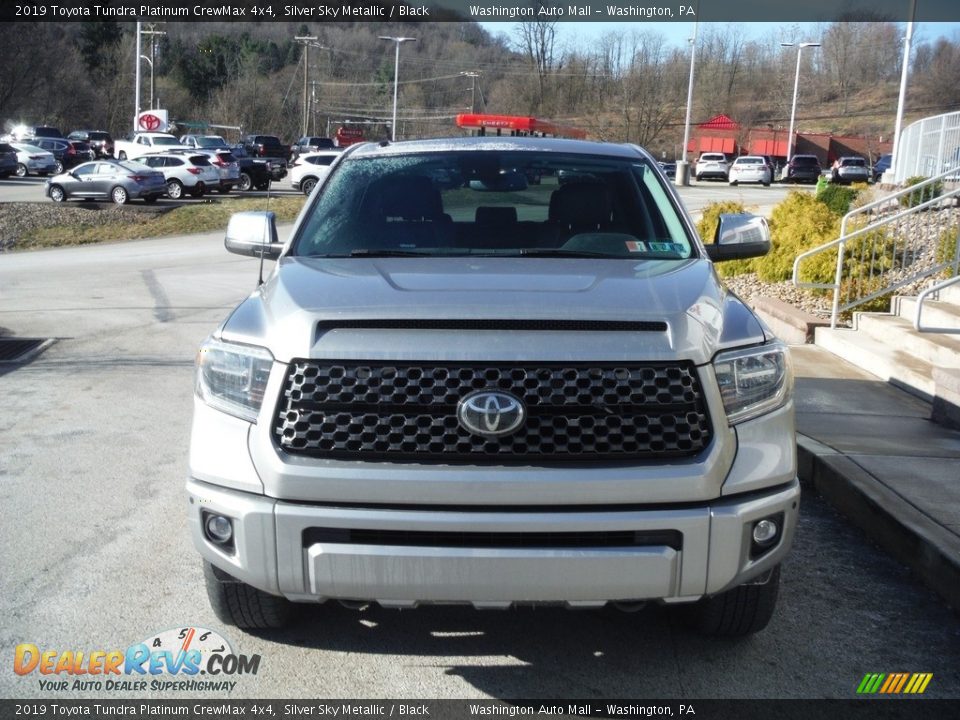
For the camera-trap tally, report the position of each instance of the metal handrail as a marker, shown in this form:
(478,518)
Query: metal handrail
(917,325)
(890,200)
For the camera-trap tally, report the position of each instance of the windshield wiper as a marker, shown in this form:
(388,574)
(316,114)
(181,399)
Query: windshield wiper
(386,252)
(560,252)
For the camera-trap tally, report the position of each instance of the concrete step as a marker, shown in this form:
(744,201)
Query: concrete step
(936,313)
(886,361)
(897,332)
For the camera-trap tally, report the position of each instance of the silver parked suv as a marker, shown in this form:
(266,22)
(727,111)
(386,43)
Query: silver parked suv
(456,386)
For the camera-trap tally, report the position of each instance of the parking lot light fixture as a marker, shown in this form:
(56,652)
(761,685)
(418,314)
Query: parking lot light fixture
(396,77)
(796,87)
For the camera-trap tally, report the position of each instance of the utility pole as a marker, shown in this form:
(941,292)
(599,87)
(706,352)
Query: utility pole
(306,41)
(473,75)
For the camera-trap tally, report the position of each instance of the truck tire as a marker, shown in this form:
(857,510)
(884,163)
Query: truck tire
(246,182)
(121,155)
(243,606)
(741,611)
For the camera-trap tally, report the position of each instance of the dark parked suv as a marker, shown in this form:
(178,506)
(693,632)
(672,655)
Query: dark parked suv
(311,143)
(100,141)
(803,168)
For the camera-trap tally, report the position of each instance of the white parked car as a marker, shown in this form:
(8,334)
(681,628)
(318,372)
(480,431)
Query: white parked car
(712,165)
(750,169)
(32,160)
(185,172)
(309,169)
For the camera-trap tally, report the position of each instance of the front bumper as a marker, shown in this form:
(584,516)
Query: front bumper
(313,552)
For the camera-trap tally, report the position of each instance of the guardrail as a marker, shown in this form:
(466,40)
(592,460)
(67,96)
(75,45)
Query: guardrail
(891,242)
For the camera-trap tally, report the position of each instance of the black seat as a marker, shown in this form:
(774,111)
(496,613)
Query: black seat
(405,211)
(581,207)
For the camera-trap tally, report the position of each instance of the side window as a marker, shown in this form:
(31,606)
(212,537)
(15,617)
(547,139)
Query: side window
(84,170)
(104,169)
(173,162)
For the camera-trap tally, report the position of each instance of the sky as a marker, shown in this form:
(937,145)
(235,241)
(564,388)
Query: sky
(677,33)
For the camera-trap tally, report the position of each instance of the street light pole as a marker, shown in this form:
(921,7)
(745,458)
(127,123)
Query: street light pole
(396,78)
(796,88)
(890,174)
(682,176)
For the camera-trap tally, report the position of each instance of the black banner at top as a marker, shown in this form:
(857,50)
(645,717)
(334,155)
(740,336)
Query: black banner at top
(483,10)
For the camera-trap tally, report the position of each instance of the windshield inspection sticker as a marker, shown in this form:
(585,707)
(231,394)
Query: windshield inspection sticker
(636,246)
(665,247)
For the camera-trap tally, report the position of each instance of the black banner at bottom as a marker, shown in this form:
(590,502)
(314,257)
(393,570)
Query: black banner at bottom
(874,709)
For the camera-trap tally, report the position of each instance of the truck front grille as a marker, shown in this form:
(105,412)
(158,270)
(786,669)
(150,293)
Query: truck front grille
(408,412)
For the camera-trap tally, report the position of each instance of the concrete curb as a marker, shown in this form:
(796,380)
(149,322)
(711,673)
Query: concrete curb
(898,527)
(789,323)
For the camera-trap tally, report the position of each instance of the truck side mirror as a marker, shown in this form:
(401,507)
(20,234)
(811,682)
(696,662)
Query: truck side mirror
(253,233)
(739,236)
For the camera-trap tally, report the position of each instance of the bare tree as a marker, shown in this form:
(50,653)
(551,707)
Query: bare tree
(537,40)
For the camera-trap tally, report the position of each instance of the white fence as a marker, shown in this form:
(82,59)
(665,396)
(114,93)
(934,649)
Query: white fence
(928,147)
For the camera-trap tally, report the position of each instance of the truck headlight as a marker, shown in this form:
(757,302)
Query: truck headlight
(232,378)
(754,381)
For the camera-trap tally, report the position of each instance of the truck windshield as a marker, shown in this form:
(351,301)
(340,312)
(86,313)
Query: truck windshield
(488,202)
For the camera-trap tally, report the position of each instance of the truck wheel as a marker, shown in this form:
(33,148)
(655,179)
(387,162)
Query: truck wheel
(246,182)
(239,604)
(122,155)
(741,611)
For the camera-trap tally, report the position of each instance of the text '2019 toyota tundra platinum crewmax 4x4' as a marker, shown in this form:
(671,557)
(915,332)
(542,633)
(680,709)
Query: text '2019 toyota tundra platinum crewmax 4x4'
(459,387)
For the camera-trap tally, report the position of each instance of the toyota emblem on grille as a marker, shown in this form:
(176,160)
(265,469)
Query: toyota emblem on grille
(490,413)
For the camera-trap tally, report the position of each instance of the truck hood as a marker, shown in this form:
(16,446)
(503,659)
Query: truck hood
(310,307)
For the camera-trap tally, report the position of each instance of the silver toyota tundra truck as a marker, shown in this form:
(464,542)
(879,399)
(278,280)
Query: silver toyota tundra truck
(494,371)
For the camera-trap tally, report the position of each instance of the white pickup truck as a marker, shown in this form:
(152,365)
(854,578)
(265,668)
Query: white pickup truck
(143,143)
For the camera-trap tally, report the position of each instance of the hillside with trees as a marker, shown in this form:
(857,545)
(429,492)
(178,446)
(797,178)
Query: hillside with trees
(628,86)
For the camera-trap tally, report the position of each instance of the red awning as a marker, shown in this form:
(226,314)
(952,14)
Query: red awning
(719,122)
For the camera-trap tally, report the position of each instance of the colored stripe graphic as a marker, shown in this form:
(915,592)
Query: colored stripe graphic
(894,683)
(870,683)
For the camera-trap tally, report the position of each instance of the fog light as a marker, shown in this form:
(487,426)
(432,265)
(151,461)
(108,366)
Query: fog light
(765,532)
(220,529)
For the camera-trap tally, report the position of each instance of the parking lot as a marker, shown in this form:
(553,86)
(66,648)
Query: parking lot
(31,189)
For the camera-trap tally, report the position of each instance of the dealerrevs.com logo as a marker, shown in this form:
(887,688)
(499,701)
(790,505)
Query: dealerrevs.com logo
(187,659)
